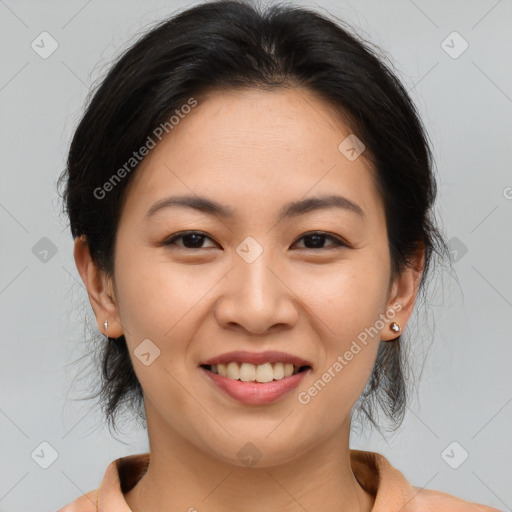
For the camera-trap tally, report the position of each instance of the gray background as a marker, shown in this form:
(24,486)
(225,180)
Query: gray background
(465,383)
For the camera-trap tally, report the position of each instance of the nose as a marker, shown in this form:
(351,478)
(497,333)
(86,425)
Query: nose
(256,297)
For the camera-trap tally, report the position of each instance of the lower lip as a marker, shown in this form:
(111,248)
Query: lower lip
(256,393)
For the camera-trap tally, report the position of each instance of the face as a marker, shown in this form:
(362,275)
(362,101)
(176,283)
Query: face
(198,284)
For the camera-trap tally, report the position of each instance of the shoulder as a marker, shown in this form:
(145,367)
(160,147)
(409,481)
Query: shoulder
(120,476)
(428,500)
(86,503)
(393,492)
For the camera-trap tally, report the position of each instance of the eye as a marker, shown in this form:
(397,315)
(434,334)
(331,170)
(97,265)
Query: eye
(191,239)
(318,237)
(194,240)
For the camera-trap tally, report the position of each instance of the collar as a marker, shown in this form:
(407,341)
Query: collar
(372,470)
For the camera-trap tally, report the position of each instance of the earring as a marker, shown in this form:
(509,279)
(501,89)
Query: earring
(394,327)
(105,324)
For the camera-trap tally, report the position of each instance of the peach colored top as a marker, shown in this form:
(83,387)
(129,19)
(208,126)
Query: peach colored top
(373,471)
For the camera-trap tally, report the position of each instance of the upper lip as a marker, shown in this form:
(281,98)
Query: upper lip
(271,356)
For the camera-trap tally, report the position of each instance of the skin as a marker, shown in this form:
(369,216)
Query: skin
(252,151)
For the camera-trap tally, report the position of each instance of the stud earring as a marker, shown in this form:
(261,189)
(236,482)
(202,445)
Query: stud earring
(394,327)
(105,324)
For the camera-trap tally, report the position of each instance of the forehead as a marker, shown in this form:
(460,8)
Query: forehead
(252,147)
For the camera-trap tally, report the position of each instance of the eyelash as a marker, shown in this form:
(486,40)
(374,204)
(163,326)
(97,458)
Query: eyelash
(337,241)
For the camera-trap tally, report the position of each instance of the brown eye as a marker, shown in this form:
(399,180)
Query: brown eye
(194,240)
(191,240)
(316,240)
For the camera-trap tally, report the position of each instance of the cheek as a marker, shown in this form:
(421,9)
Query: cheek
(351,297)
(349,307)
(156,301)
(157,293)
(349,304)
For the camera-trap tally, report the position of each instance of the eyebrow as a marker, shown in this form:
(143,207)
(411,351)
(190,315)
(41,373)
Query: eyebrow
(293,209)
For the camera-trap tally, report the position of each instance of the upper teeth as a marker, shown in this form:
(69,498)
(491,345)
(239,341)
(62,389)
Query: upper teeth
(248,372)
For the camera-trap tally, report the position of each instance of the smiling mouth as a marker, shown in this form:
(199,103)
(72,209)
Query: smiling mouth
(247,372)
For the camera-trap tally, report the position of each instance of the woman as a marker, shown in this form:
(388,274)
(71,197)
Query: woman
(216,155)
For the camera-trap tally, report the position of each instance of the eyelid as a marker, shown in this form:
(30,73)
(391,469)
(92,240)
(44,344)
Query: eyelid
(171,240)
(338,241)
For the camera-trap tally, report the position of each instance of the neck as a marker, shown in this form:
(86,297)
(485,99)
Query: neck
(182,476)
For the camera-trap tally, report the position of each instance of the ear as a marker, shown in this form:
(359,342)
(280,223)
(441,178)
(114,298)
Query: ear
(99,288)
(402,295)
